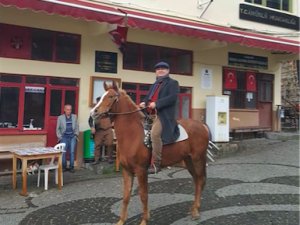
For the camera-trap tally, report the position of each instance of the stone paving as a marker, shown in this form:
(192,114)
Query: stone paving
(257,185)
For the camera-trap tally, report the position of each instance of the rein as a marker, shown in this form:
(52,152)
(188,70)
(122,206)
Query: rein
(125,113)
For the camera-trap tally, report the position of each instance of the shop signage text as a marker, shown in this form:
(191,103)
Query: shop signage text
(252,61)
(266,16)
(106,62)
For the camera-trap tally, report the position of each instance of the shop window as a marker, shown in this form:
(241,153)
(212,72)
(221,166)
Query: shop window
(24,101)
(138,92)
(10,78)
(35,80)
(185,59)
(131,58)
(9,105)
(275,4)
(42,45)
(241,87)
(39,44)
(15,41)
(143,57)
(64,81)
(149,56)
(184,106)
(70,98)
(265,91)
(55,102)
(67,47)
(34,99)
(285,5)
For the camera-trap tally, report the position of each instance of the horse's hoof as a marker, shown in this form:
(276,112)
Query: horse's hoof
(195,215)
(144,222)
(196,218)
(120,222)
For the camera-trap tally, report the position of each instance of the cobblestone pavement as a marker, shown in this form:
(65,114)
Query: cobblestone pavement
(257,185)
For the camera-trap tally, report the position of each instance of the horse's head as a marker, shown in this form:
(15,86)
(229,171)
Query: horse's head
(107,101)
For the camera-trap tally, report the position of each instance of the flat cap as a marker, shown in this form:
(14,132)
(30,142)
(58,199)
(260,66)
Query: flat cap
(162,65)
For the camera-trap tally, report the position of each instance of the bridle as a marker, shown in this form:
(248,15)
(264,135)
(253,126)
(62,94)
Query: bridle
(116,99)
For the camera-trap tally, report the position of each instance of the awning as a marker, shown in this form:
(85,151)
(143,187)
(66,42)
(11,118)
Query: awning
(91,10)
(190,28)
(76,8)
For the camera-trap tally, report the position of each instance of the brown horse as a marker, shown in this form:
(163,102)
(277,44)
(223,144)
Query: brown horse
(135,157)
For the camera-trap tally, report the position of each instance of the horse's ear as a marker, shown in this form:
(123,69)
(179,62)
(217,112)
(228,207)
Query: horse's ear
(115,86)
(105,86)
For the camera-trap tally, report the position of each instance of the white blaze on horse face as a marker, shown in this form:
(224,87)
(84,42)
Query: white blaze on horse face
(93,113)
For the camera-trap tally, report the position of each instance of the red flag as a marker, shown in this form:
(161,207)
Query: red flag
(230,82)
(119,36)
(15,41)
(251,81)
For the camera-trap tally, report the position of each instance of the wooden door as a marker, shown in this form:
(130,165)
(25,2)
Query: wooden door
(265,99)
(58,98)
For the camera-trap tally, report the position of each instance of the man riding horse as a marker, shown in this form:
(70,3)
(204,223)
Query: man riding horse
(161,101)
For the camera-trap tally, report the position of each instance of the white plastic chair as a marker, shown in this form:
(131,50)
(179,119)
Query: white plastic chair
(51,166)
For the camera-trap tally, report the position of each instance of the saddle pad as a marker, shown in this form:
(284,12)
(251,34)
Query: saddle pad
(183,134)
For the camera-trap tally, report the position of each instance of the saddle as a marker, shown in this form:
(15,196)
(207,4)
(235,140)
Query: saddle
(147,130)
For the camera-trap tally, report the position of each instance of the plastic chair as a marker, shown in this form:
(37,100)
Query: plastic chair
(51,166)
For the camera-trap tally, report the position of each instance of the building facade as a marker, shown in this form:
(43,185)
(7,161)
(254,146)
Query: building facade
(58,52)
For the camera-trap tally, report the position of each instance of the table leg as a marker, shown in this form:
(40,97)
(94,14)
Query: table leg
(14,175)
(24,178)
(59,171)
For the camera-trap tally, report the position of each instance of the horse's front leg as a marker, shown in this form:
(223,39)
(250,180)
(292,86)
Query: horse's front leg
(127,187)
(199,179)
(143,191)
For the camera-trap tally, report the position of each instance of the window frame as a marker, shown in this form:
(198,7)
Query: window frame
(93,86)
(264,4)
(233,94)
(181,95)
(54,47)
(19,129)
(139,65)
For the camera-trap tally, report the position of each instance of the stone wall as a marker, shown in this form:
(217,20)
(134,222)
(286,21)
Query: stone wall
(290,88)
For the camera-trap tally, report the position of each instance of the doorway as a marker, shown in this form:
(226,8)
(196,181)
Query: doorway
(265,99)
(59,97)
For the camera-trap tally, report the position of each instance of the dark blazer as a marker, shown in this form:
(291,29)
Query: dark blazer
(166,106)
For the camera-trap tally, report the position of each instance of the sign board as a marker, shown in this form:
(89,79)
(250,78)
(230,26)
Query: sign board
(106,62)
(252,61)
(269,16)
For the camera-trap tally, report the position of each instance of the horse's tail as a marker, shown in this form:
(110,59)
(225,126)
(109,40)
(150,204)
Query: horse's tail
(209,132)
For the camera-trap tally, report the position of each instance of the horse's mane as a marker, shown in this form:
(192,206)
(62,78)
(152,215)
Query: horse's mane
(131,102)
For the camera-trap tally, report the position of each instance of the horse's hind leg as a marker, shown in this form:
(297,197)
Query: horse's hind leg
(198,171)
(127,188)
(143,191)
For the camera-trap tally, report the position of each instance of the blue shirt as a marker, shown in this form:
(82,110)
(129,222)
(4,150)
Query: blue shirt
(69,133)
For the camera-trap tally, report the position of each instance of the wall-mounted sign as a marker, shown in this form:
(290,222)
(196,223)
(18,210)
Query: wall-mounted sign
(206,78)
(251,61)
(106,62)
(30,89)
(268,16)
